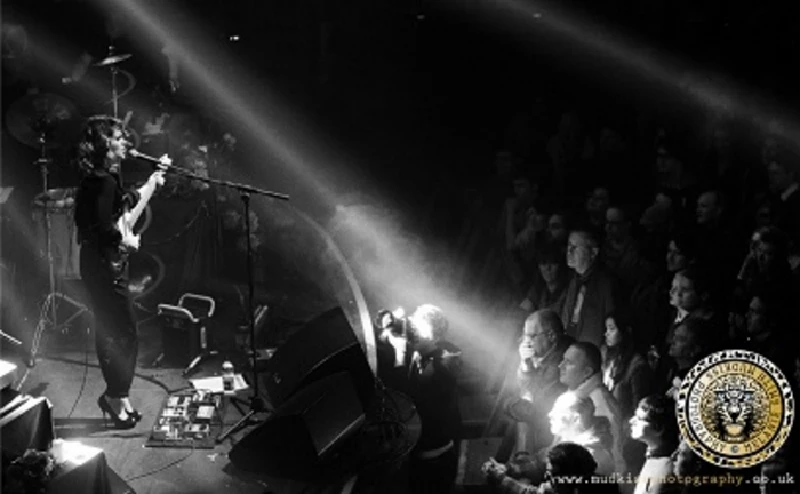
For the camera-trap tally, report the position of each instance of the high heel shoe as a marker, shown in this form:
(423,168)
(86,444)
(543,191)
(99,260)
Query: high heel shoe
(135,415)
(128,423)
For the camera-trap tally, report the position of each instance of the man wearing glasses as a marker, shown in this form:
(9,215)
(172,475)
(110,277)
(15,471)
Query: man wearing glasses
(541,349)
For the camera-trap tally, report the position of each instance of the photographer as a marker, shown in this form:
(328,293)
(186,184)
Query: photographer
(427,365)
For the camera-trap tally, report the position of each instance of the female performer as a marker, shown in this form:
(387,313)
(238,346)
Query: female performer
(100,203)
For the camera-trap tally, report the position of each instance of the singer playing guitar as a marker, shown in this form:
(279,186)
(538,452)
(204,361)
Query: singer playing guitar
(105,215)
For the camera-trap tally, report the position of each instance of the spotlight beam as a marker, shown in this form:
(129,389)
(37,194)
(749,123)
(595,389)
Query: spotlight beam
(644,63)
(302,155)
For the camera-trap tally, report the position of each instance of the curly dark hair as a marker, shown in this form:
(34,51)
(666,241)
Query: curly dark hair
(93,146)
(660,413)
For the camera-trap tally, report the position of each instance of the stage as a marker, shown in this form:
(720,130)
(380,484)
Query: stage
(68,375)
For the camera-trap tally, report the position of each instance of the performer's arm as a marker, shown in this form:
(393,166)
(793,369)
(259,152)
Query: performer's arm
(146,189)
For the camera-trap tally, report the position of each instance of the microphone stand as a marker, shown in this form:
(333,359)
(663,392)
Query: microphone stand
(256,403)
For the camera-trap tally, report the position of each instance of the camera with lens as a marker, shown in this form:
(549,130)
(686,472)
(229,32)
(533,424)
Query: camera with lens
(395,323)
(426,325)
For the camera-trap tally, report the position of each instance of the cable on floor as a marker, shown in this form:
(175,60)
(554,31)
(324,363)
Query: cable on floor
(161,469)
(83,380)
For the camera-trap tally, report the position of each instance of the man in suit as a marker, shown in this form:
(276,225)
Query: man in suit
(591,292)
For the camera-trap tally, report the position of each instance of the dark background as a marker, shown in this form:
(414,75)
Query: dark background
(417,93)
(435,82)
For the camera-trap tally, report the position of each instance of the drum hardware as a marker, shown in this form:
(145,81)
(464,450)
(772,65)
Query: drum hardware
(42,120)
(40,115)
(112,61)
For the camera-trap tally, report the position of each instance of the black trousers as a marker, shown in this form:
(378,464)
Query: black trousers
(116,340)
(433,476)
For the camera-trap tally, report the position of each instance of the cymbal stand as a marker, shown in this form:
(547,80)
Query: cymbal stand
(48,312)
(114,95)
(114,92)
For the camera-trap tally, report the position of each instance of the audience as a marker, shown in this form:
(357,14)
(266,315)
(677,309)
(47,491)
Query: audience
(655,425)
(627,290)
(573,420)
(569,469)
(541,350)
(625,371)
(689,343)
(591,292)
(620,252)
(549,289)
(581,371)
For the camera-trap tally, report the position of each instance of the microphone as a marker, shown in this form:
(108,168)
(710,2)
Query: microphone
(146,157)
(136,154)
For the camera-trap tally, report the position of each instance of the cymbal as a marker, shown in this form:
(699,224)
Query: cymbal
(112,60)
(51,114)
(56,198)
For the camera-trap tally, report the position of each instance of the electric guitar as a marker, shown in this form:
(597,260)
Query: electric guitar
(131,241)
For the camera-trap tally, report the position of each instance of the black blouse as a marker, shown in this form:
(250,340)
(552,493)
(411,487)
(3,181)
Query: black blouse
(99,205)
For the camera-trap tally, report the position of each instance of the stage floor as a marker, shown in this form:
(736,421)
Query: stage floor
(68,375)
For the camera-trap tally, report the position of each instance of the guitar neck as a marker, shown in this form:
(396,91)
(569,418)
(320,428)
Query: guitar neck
(144,198)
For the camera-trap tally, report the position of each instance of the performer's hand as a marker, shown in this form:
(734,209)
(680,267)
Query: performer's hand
(494,471)
(158,179)
(165,163)
(525,351)
(132,242)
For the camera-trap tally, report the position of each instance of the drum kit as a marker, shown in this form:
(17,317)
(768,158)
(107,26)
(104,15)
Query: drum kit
(48,122)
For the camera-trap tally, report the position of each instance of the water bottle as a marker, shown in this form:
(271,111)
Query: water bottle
(227,377)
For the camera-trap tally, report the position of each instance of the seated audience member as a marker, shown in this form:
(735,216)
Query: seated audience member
(768,260)
(549,289)
(569,470)
(650,302)
(515,221)
(690,296)
(590,293)
(581,371)
(765,267)
(785,186)
(656,222)
(620,252)
(628,376)
(567,461)
(717,248)
(689,344)
(765,328)
(654,424)
(672,176)
(558,229)
(528,242)
(572,420)
(541,349)
(596,207)
(625,371)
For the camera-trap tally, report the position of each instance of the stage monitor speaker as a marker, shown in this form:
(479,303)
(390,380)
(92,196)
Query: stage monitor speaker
(304,434)
(323,346)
